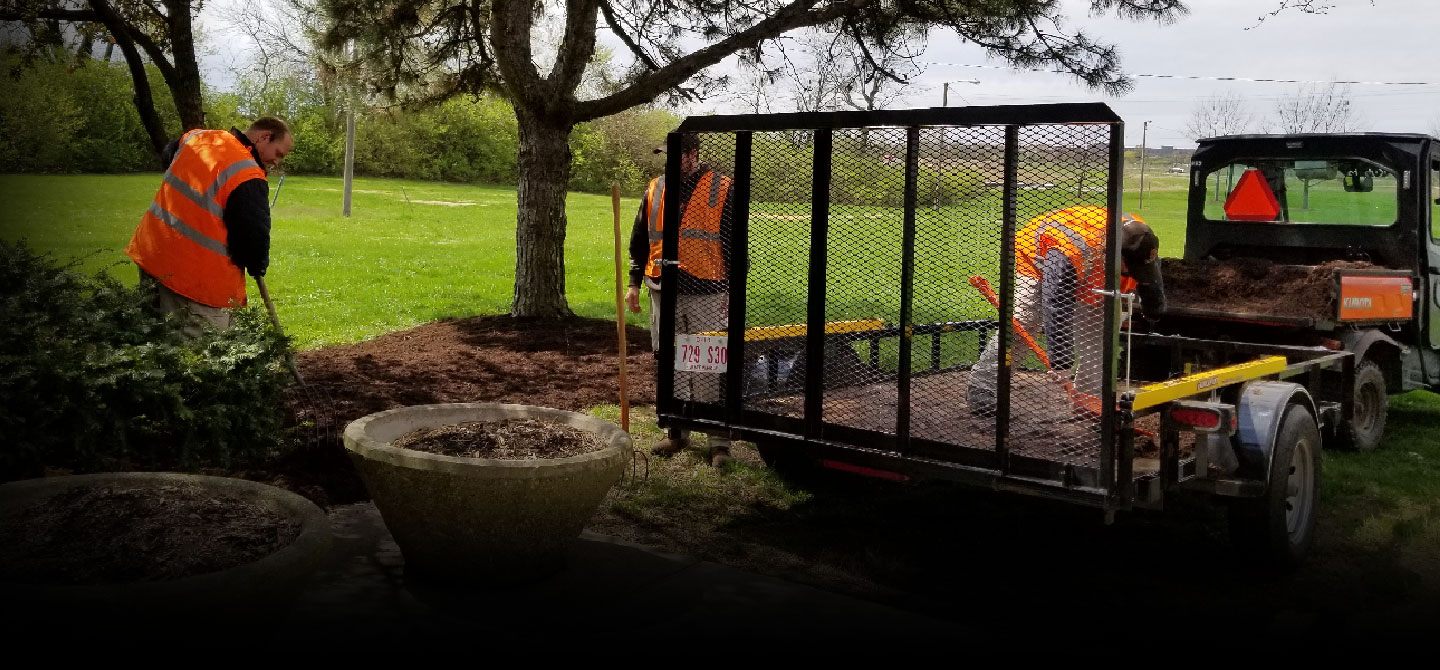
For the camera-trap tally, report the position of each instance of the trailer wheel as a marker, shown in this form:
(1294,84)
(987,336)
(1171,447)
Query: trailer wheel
(793,467)
(1278,528)
(1364,430)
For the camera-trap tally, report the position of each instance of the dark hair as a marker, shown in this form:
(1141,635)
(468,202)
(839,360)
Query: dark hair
(689,142)
(278,129)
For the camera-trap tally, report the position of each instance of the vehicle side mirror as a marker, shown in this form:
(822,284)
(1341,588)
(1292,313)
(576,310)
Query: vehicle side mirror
(1359,183)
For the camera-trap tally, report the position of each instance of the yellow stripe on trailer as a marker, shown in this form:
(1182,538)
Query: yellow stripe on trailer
(1151,395)
(798,330)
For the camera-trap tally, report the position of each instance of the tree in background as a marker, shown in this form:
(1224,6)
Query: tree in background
(1321,108)
(1224,114)
(162,30)
(435,49)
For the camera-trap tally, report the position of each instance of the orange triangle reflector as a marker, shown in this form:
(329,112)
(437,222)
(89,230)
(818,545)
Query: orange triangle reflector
(1252,199)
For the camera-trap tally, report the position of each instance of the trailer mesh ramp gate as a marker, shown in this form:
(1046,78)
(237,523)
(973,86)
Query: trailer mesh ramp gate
(855,251)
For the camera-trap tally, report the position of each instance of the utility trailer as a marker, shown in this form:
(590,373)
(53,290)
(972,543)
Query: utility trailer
(857,240)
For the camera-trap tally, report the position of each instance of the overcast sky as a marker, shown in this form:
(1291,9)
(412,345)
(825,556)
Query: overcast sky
(1387,41)
(1391,41)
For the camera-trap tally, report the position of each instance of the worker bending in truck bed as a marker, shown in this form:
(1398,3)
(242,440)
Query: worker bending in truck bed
(702,304)
(1059,266)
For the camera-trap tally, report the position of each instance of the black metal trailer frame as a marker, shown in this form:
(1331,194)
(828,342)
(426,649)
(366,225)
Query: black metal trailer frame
(1109,482)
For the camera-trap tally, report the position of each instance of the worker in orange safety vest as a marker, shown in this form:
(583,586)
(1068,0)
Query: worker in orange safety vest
(1059,275)
(702,298)
(209,220)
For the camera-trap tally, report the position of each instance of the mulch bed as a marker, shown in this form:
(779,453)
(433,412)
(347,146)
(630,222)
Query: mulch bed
(569,364)
(511,439)
(1254,286)
(123,535)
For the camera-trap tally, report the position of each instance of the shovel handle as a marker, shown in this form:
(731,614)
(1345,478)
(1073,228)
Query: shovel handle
(275,319)
(984,287)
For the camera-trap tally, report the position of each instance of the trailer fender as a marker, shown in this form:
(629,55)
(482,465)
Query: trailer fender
(1259,410)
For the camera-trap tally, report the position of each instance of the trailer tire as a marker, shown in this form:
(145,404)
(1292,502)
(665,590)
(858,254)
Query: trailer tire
(1365,429)
(1278,528)
(793,467)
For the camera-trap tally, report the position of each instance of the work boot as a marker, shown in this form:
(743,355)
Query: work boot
(669,446)
(719,456)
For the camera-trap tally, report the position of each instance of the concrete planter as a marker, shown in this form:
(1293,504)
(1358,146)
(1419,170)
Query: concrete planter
(476,520)
(252,597)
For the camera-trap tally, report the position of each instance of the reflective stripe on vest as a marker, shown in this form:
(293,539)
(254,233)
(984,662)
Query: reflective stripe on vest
(701,251)
(1079,233)
(182,239)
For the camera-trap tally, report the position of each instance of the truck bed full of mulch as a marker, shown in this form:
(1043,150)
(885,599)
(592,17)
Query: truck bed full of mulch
(1254,286)
(511,439)
(123,535)
(570,364)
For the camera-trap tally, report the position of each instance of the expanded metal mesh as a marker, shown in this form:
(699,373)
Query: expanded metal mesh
(707,260)
(956,378)
(1061,226)
(779,254)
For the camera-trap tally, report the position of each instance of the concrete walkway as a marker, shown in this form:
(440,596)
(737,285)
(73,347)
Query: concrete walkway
(611,588)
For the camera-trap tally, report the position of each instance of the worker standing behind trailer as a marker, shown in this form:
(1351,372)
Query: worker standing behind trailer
(702,294)
(209,220)
(1059,267)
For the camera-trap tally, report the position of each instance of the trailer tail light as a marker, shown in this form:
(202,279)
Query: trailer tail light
(1201,417)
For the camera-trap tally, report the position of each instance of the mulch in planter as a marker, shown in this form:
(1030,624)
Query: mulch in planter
(123,534)
(517,439)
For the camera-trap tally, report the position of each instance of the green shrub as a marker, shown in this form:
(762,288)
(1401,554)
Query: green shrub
(92,375)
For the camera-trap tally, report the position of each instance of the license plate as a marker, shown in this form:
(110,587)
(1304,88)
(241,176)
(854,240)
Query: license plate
(701,353)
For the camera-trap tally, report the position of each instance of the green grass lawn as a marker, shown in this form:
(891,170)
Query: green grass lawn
(447,251)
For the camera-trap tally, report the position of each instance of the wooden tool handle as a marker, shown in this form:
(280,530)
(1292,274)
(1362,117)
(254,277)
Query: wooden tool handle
(620,312)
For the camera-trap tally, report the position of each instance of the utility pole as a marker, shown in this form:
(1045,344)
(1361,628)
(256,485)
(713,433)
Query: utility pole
(1144,130)
(945,92)
(349,153)
(349,138)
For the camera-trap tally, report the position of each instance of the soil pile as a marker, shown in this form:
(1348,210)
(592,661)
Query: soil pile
(116,535)
(512,439)
(1254,286)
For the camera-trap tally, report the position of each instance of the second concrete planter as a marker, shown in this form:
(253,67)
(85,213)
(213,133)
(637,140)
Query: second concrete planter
(247,600)
(482,521)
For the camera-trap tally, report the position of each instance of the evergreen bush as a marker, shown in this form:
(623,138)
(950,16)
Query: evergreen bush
(92,375)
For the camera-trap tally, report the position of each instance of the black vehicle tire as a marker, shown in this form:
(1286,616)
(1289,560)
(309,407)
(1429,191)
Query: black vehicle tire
(792,466)
(1364,431)
(1278,528)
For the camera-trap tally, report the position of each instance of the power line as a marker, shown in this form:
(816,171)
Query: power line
(1200,77)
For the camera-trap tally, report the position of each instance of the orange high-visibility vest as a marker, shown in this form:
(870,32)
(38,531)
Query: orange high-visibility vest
(181,240)
(700,241)
(1079,232)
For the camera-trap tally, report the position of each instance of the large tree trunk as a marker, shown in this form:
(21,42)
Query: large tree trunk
(540,230)
(185,85)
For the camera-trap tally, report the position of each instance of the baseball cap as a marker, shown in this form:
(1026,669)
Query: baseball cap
(688,142)
(1140,249)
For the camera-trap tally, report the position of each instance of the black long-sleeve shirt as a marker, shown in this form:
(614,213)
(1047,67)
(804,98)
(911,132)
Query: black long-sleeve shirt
(247,213)
(640,240)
